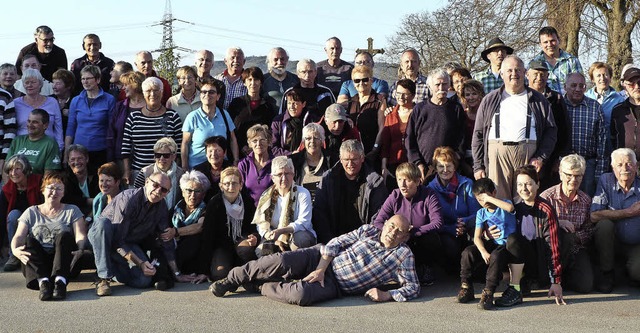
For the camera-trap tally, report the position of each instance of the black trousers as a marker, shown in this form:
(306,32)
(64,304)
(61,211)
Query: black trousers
(471,261)
(282,274)
(43,264)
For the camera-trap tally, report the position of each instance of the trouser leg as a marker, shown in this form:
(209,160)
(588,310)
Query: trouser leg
(64,244)
(579,275)
(277,267)
(604,243)
(131,276)
(451,249)
(221,263)
(633,262)
(425,248)
(39,264)
(101,235)
(497,264)
(301,292)
(12,225)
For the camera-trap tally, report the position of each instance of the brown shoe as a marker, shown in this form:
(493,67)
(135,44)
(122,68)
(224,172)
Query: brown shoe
(466,293)
(103,287)
(486,300)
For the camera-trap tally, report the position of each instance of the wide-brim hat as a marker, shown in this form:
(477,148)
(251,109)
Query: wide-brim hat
(494,44)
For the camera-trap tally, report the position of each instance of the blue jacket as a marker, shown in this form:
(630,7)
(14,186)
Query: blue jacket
(88,124)
(464,205)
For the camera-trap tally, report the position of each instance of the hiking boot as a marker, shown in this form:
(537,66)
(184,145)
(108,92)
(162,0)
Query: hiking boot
(103,287)
(59,290)
(252,287)
(163,285)
(221,287)
(605,285)
(486,300)
(46,290)
(466,293)
(510,297)
(12,264)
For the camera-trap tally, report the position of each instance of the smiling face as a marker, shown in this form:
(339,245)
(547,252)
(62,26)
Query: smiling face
(209,95)
(259,144)
(537,79)
(230,186)
(575,86)
(278,61)
(92,47)
(215,156)
(473,98)
(445,171)
(624,169)
(295,108)
(16,174)
(410,64)
(44,42)
(312,143)
(35,126)
(235,62)
(404,97)
(527,188)
(153,96)
(253,85)
(156,187)
(204,63)
(108,185)
(8,77)
(352,163)
(396,230)
(570,178)
(78,162)
(513,75)
(601,78)
(550,45)
(187,82)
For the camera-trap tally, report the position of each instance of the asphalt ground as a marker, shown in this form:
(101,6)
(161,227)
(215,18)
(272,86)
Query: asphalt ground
(192,308)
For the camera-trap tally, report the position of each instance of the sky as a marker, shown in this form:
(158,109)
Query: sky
(256,26)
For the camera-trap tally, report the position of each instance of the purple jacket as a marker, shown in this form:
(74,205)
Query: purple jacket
(423,211)
(116,130)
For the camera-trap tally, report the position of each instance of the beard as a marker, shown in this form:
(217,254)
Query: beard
(278,70)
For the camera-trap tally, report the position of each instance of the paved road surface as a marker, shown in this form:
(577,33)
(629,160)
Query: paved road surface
(191,308)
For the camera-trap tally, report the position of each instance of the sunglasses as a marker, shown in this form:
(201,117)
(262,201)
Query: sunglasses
(363,80)
(157,185)
(165,155)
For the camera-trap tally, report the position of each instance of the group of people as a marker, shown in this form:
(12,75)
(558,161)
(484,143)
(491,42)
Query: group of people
(329,181)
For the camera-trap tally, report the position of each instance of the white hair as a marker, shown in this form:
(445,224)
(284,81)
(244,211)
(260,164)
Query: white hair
(281,162)
(620,152)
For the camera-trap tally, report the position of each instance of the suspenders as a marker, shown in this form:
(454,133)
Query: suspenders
(527,134)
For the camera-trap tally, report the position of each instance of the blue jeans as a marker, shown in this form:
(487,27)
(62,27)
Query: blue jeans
(12,225)
(109,263)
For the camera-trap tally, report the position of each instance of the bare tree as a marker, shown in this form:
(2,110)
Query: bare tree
(621,17)
(459,31)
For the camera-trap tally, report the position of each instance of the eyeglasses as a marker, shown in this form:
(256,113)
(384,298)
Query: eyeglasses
(577,85)
(157,185)
(54,188)
(206,92)
(568,175)
(192,191)
(47,40)
(165,155)
(363,80)
(281,175)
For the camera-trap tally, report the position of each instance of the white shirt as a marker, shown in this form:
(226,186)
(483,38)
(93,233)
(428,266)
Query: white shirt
(513,119)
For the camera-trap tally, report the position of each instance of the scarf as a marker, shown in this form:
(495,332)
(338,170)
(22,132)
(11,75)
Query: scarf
(179,219)
(451,188)
(235,216)
(170,198)
(266,206)
(294,135)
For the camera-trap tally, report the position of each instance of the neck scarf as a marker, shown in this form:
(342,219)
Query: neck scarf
(266,206)
(235,216)
(451,188)
(179,220)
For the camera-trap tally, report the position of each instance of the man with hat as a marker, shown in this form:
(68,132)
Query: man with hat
(494,54)
(625,117)
(337,129)
(537,75)
(623,92)
(559,62)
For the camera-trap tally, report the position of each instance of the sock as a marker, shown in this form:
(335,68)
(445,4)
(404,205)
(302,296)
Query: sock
(60,278)
(40,280)
(516,287)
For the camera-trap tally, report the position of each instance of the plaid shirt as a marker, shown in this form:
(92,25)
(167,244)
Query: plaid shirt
(361,262)
(422,91)
(234,89)
(489,81)
(565,64)
(588,132)
(576,210)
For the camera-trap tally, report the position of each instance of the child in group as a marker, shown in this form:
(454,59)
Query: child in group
(490,253)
